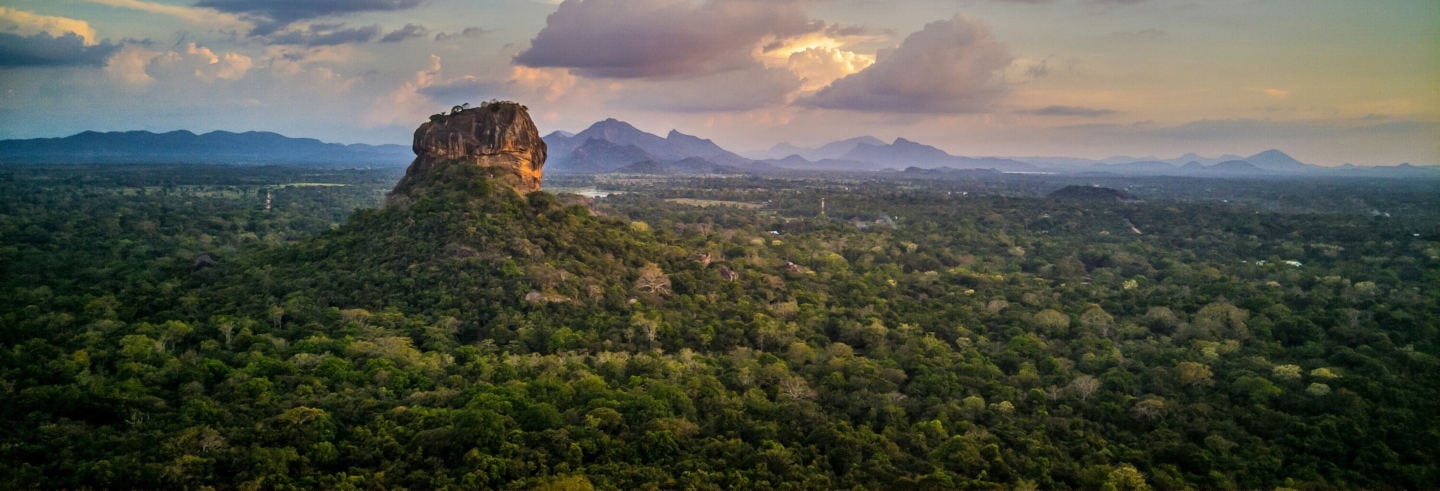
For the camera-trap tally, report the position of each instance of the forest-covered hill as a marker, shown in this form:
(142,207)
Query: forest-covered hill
(718,333)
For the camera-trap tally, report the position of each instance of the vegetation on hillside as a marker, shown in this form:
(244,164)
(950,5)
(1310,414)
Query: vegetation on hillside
(966,333)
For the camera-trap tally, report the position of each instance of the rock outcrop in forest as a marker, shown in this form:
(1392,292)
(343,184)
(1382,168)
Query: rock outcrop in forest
(498,135)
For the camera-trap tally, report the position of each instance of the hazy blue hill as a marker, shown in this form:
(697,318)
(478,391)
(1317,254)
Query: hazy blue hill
(218,147)
(832,150)
(782,150)
(792,160)
(796,162)
(687,166)
(837,149)
(1194,157)
(1000,164)
(901,152)
(1141,167)
(693,146)
(906,153)
(1235,167)
(597,155)
(610,144)
(620,132)
(624,144)
(561,144)
(1277,161)
(1401,170)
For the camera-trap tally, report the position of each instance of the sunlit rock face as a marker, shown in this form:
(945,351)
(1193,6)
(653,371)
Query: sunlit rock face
(498,135)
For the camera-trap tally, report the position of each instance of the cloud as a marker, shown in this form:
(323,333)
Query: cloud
(22,23)
(1023,70)
(524,83)
(819,67)
(469,32)
(129,66)
(662,38)
(548,84)
(1077,111)
(407,32)
(1277,93)
(46,50)
(949,66)
(1255,129)
(736,90)
(462,90)
(406,105)
(207,65)
(193,15)
(325,35)
(30,39)
(137,66)
(272,15)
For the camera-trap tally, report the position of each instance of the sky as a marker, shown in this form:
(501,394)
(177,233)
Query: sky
(1328,81)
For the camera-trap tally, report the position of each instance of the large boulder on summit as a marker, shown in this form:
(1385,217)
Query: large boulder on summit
(497,135)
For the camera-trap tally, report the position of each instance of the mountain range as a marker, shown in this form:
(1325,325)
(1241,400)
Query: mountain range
(610,145)
(614,146)
(216,147)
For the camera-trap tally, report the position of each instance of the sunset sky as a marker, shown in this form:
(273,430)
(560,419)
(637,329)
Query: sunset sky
(1328,81)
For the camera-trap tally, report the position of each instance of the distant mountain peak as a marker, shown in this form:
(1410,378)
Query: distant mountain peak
(184,146)
(628,144)
(675,135)
(612,123)
(1236,167)
(1275,160)
(1273,153)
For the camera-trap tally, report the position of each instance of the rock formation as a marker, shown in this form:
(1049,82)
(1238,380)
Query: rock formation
(498,135)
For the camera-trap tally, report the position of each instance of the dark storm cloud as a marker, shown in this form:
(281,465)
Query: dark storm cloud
(46,50)
(407,32)
(662,38)
(950,66)
(1084,112)
(324,35)
(272,15)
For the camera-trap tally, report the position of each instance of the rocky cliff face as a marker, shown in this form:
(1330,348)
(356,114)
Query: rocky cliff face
(497,135)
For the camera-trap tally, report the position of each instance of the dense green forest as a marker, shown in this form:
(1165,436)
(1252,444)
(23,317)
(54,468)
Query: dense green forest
(161,328)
